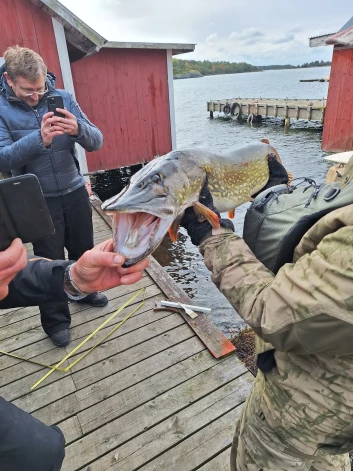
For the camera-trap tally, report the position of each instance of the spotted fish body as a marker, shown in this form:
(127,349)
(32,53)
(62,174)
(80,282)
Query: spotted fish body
(159,193)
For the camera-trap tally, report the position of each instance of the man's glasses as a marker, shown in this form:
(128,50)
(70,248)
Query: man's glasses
(27,93)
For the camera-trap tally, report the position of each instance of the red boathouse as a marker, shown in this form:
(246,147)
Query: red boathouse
(338,126)
(126,89)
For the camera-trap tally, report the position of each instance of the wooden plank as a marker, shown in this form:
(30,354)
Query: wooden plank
(115,356)
(219,463)
(126,64)
(49,394)
(125,359)
(3,38)
(115,108)
(208,405)
(173,349)
(82,89)
(120,114)
(10,24)
(149,93)
(214,339)
(163,104)
(144,99)
(17,380)
(57,411)
(200,447)
(23,371)
(80,311)
(71,429)
(43,345)
(216,342)
(273,107)
(114,406)
(26,24)
(47,43)
(127,399)
(175,388)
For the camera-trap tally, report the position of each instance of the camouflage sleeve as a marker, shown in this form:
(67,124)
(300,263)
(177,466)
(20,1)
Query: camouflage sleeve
(306,308)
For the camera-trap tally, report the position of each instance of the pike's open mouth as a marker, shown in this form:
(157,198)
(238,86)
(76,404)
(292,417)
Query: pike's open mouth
(137,235)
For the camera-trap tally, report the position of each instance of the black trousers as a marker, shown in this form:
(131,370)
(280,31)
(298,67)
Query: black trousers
(26,444)
(72,218)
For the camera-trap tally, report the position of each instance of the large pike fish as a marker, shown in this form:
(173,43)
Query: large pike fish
(157,195)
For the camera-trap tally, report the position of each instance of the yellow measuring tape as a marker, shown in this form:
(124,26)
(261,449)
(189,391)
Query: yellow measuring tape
(71,365)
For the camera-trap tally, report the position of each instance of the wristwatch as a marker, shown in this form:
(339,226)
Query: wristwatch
(70,288)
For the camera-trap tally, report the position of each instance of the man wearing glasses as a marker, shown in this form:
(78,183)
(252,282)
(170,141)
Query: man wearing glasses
(33,140)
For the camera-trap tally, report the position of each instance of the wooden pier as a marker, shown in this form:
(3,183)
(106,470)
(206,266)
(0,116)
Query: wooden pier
(252,108)
(150,397)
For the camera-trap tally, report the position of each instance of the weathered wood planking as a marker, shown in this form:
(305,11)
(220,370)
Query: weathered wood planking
(213,338)
(275,108)
(337,134)
(149,394)
(145,447)
(176,388)
(219,463)
(131,105)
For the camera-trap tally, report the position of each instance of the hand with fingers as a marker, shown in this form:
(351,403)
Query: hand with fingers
(68,123)
(12,261)
(50,128)
(56,126)
(100,269)
(197,230)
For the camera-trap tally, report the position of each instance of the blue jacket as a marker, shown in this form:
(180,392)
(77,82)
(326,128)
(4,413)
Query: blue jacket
(21,146)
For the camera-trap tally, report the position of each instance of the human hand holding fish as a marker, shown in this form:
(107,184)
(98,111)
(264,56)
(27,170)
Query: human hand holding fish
(158,195)
(100,269)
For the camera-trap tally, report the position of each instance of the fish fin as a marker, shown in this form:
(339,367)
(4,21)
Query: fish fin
(173,229)
(231,213)
(203,213)
(265,141)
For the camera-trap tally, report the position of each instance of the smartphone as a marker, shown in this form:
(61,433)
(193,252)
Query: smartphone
(23,211)
(53,102)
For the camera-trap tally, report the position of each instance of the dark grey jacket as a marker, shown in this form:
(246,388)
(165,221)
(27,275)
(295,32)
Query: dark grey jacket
(40,282)
(21,146)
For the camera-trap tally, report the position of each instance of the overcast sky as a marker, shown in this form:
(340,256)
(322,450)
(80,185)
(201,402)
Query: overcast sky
(260,32)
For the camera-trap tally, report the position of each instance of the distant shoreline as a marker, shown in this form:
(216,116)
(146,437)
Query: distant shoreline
(183,69)
(199,75)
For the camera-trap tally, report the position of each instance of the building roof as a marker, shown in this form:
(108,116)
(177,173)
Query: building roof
(347,25)
(77,32)
(343,38)
(82,37)
(175,47)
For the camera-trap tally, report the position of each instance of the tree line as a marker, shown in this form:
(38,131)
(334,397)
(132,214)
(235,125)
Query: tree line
(181,67)
(289,66)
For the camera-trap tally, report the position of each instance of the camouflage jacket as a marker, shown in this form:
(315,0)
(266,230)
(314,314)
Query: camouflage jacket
(306,313)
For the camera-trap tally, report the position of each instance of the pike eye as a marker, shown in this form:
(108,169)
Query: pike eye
(156,178)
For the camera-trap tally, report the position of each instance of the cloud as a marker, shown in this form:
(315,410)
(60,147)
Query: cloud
(246,34)
(277,31)
(212,38)
(262,50)
(288,37)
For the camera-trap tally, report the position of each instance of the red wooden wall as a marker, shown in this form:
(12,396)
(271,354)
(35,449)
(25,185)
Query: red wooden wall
(338,126)
(125,93)
(24,24)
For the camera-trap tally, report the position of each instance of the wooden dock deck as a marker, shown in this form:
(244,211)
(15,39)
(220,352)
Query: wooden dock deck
(150,397)
(310,110)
